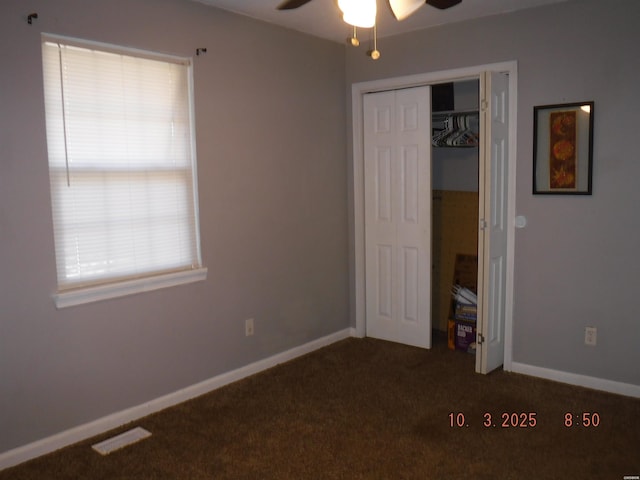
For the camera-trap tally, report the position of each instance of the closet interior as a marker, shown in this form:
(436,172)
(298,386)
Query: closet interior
(455,161)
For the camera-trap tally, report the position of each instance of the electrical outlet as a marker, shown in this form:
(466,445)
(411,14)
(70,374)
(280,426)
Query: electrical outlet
(248,327)
(590,336)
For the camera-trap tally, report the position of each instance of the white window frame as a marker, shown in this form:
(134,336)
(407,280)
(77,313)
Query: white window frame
(71,293)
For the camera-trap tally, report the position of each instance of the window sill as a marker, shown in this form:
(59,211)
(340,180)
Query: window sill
(129,287)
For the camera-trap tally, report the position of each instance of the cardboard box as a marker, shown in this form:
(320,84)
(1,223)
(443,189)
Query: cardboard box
(451,334)
(465,271)
(465,336)
(465,274)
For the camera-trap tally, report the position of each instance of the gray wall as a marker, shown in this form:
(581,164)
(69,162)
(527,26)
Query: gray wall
(576,263)
(270,115)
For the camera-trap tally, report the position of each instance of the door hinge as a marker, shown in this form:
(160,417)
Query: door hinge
(480,339)
(484,105)
(483,224)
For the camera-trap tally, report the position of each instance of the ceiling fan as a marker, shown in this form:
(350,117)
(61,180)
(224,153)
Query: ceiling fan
(401,9)
(362,13)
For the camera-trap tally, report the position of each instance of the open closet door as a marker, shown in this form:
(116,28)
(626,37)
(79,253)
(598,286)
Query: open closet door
(397,172)
(492,238)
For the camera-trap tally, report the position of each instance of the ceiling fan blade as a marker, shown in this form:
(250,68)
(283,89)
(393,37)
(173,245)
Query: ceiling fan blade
(291,4)
(401,9)
(443,4)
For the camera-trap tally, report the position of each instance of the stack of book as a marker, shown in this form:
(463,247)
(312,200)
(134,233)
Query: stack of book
(466,304)
(466,312)
(463,313)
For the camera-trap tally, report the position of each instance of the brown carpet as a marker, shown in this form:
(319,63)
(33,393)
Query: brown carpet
(368,409)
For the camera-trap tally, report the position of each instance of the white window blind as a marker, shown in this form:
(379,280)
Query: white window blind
(121,162)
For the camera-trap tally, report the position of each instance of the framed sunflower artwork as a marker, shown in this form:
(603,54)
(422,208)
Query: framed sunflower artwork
(562,148)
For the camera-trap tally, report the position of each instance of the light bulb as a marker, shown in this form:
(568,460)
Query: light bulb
(359,13)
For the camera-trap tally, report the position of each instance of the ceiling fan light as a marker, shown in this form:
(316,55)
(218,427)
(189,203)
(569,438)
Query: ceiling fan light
(359,13)
(401,9)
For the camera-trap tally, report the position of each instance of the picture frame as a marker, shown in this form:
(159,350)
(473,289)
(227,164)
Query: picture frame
(563,149)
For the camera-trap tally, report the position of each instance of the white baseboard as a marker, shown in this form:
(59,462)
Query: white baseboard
(610,386)
(101,425)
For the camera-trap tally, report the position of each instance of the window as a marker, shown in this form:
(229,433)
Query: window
(120,140)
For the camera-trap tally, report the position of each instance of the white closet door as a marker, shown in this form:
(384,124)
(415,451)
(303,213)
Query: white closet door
(397,151)
(492,240)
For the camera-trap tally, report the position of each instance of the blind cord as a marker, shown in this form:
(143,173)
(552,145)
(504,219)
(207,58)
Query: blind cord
(64,117)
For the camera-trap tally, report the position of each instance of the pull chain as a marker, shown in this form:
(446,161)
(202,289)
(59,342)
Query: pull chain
(374,53)
(353,39)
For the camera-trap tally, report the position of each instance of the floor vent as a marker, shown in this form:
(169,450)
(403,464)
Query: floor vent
(119,441)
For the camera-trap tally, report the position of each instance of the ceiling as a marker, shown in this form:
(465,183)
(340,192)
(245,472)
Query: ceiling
(321,18)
